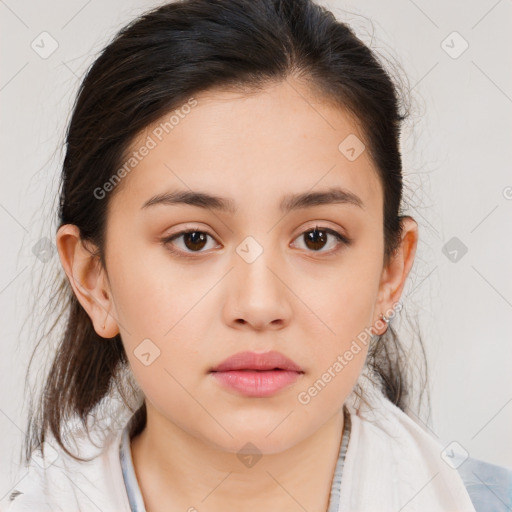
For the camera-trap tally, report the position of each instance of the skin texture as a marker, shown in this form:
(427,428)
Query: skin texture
(198,310)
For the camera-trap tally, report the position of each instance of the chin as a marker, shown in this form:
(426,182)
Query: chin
(257,441)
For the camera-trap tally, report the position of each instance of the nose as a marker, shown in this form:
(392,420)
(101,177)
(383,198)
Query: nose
(258,296)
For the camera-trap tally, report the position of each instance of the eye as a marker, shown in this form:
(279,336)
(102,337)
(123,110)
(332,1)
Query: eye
(315,239)
(193,240)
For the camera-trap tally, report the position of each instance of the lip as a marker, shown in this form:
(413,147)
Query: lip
(257,361)
(257,374)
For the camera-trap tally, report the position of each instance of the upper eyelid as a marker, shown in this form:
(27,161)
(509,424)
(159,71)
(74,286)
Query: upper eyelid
(318,223)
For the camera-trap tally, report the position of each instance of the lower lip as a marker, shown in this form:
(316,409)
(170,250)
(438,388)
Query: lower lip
(257,383)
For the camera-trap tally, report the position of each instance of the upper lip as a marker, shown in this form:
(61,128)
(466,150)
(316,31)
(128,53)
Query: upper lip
(257,361)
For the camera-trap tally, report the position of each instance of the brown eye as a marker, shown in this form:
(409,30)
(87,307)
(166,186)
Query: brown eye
(193,240)
(317,238)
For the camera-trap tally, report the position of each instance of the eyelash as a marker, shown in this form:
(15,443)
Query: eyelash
(343,240)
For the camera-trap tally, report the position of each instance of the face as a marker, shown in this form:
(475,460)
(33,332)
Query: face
(254,276)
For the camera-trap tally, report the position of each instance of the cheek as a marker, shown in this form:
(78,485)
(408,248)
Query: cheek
(166,368)
(340,332)
(342,301)
(153,293)
(338,352)
(158,318)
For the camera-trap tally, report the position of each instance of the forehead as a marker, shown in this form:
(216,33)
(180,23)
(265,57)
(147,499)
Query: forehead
(252,146)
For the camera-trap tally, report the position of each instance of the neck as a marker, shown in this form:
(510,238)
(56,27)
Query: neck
(177,471)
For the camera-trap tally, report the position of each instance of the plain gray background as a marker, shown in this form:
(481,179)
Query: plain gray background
(457,152)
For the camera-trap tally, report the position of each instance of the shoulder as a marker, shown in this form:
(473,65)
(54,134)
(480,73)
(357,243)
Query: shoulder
(489,486)
(58,482)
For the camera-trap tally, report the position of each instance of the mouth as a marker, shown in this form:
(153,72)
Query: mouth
(257,375)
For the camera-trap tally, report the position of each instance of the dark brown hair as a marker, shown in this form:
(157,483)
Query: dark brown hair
(154,65)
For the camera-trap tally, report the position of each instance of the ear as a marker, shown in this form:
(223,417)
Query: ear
(395,273)
(87,278)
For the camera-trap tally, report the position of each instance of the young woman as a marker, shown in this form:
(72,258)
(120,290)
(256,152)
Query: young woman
(235,249)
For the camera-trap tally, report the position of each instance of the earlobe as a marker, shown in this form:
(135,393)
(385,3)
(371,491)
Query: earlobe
(87,279)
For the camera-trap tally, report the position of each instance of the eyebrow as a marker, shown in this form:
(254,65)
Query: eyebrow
(290,202)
